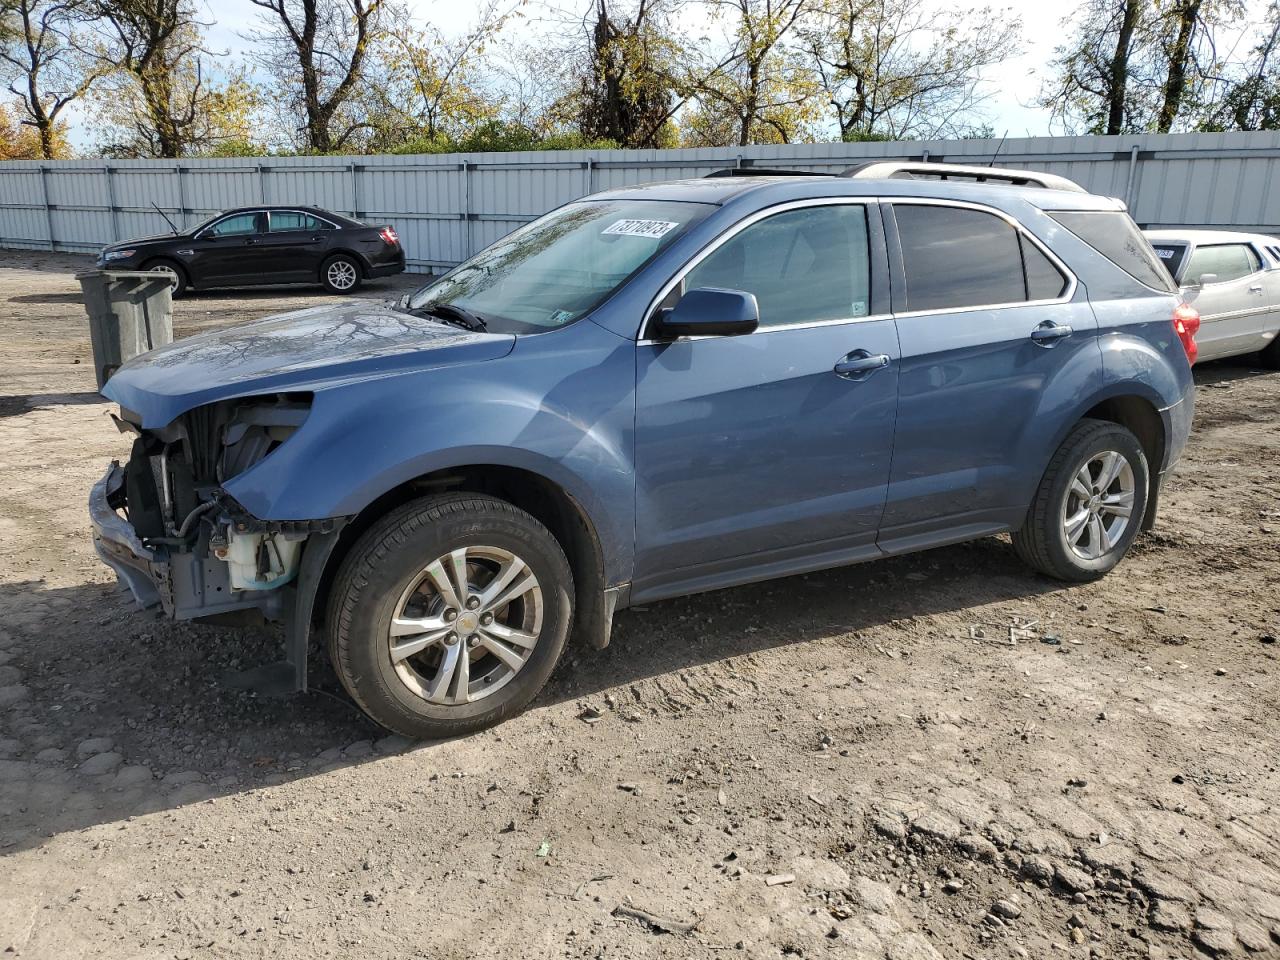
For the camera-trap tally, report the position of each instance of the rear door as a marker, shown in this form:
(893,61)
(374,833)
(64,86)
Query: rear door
(294,244)
(226,251)
(1226,283)
(992,330)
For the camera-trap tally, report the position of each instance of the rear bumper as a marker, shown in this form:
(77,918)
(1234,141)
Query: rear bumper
(387,267)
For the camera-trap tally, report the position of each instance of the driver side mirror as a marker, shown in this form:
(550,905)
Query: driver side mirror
(710,312)
(1206,279)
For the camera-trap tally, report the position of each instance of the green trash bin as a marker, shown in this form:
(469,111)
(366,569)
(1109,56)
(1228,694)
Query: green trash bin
(130,312)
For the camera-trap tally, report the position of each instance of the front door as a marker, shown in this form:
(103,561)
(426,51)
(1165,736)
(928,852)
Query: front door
(757,454)
(226,251)
(993,357)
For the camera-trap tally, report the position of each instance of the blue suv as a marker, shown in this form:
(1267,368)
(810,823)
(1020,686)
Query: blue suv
(651,392)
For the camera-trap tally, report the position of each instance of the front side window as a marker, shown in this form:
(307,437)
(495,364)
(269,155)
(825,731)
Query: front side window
(1226,261)
(241,223)
(954,258)
(556,269)
(803,266)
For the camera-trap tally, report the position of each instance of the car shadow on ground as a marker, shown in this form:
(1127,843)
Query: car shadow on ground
(1230,369)
(82,664)
(12,406)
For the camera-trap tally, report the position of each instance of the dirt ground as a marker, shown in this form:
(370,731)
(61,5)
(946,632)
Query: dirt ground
(858,763)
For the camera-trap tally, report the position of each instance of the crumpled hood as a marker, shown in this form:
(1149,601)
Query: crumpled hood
(304,350)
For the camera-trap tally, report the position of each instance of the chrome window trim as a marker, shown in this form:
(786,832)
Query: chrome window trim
(728,235)
(1065,297)
(305,213)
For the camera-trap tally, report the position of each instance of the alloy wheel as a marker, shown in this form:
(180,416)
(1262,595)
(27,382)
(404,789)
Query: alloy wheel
(1098,505)
(171,273)
(341,275)
(466,625)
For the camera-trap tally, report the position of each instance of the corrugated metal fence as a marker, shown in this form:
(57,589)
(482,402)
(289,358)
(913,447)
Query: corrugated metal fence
(447,206)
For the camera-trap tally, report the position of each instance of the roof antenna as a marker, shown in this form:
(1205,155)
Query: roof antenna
(999,146)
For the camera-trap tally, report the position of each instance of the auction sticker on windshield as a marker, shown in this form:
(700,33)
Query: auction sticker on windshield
(640,228)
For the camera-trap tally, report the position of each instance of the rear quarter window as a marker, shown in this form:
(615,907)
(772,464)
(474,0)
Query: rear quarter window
(1114,235)
(1171,255)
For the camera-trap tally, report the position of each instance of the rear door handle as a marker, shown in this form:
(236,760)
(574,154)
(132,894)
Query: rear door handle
(860,364)
(1049,333)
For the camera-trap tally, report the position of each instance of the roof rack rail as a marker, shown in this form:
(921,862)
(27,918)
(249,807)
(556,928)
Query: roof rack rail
(916,169)
(765,172)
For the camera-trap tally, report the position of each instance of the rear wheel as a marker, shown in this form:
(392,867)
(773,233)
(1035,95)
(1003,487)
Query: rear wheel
(340,274)
(1089,505)
(177,276)
(449,615)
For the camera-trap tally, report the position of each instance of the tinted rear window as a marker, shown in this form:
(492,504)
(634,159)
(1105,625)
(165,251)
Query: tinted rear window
(1114,235)
(955,258)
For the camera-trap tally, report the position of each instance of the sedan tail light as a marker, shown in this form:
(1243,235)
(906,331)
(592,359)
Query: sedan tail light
(1186,322)
(389,236)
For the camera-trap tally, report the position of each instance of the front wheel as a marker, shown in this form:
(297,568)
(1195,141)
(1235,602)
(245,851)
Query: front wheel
(177,277)
(340,274)
(449,615)
(1089,505)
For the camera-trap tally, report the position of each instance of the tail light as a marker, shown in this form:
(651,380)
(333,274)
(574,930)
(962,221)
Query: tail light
(1186,321)
(389,236)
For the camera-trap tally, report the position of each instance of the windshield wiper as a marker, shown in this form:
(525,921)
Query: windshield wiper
(455,315)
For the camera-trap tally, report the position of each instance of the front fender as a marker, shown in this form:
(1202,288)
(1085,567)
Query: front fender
(561,405)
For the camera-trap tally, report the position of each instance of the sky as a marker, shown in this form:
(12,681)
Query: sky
(1010,86)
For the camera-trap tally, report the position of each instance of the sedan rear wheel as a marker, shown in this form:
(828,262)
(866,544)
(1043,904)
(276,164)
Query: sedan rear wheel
(340,274)
(449,615)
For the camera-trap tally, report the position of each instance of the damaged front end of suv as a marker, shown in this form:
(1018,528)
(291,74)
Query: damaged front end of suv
(173,534)
(165,524)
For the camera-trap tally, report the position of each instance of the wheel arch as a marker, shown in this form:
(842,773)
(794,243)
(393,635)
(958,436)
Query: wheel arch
(170,261)
(355,255)
(544,499)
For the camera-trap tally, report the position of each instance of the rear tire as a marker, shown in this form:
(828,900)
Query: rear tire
(341,274)
(447,591)
(1077,528)
(177,275)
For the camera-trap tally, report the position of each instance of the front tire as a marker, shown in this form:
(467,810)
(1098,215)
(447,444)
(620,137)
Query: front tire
(177,276)
(341,274)
(449,615)
(1089,505)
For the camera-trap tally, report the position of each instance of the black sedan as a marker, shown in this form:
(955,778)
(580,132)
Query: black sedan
(259,245)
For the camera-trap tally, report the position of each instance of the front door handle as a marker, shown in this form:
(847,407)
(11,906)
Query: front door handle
(1256,288)
(1049,333)
(860,364)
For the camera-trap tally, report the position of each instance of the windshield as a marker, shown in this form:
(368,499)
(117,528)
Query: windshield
(554,270)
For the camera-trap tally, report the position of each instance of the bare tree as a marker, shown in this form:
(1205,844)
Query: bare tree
(1251,97)
(42,63)
(893,69)
(316,49)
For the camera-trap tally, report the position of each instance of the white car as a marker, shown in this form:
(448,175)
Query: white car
(1233,280)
